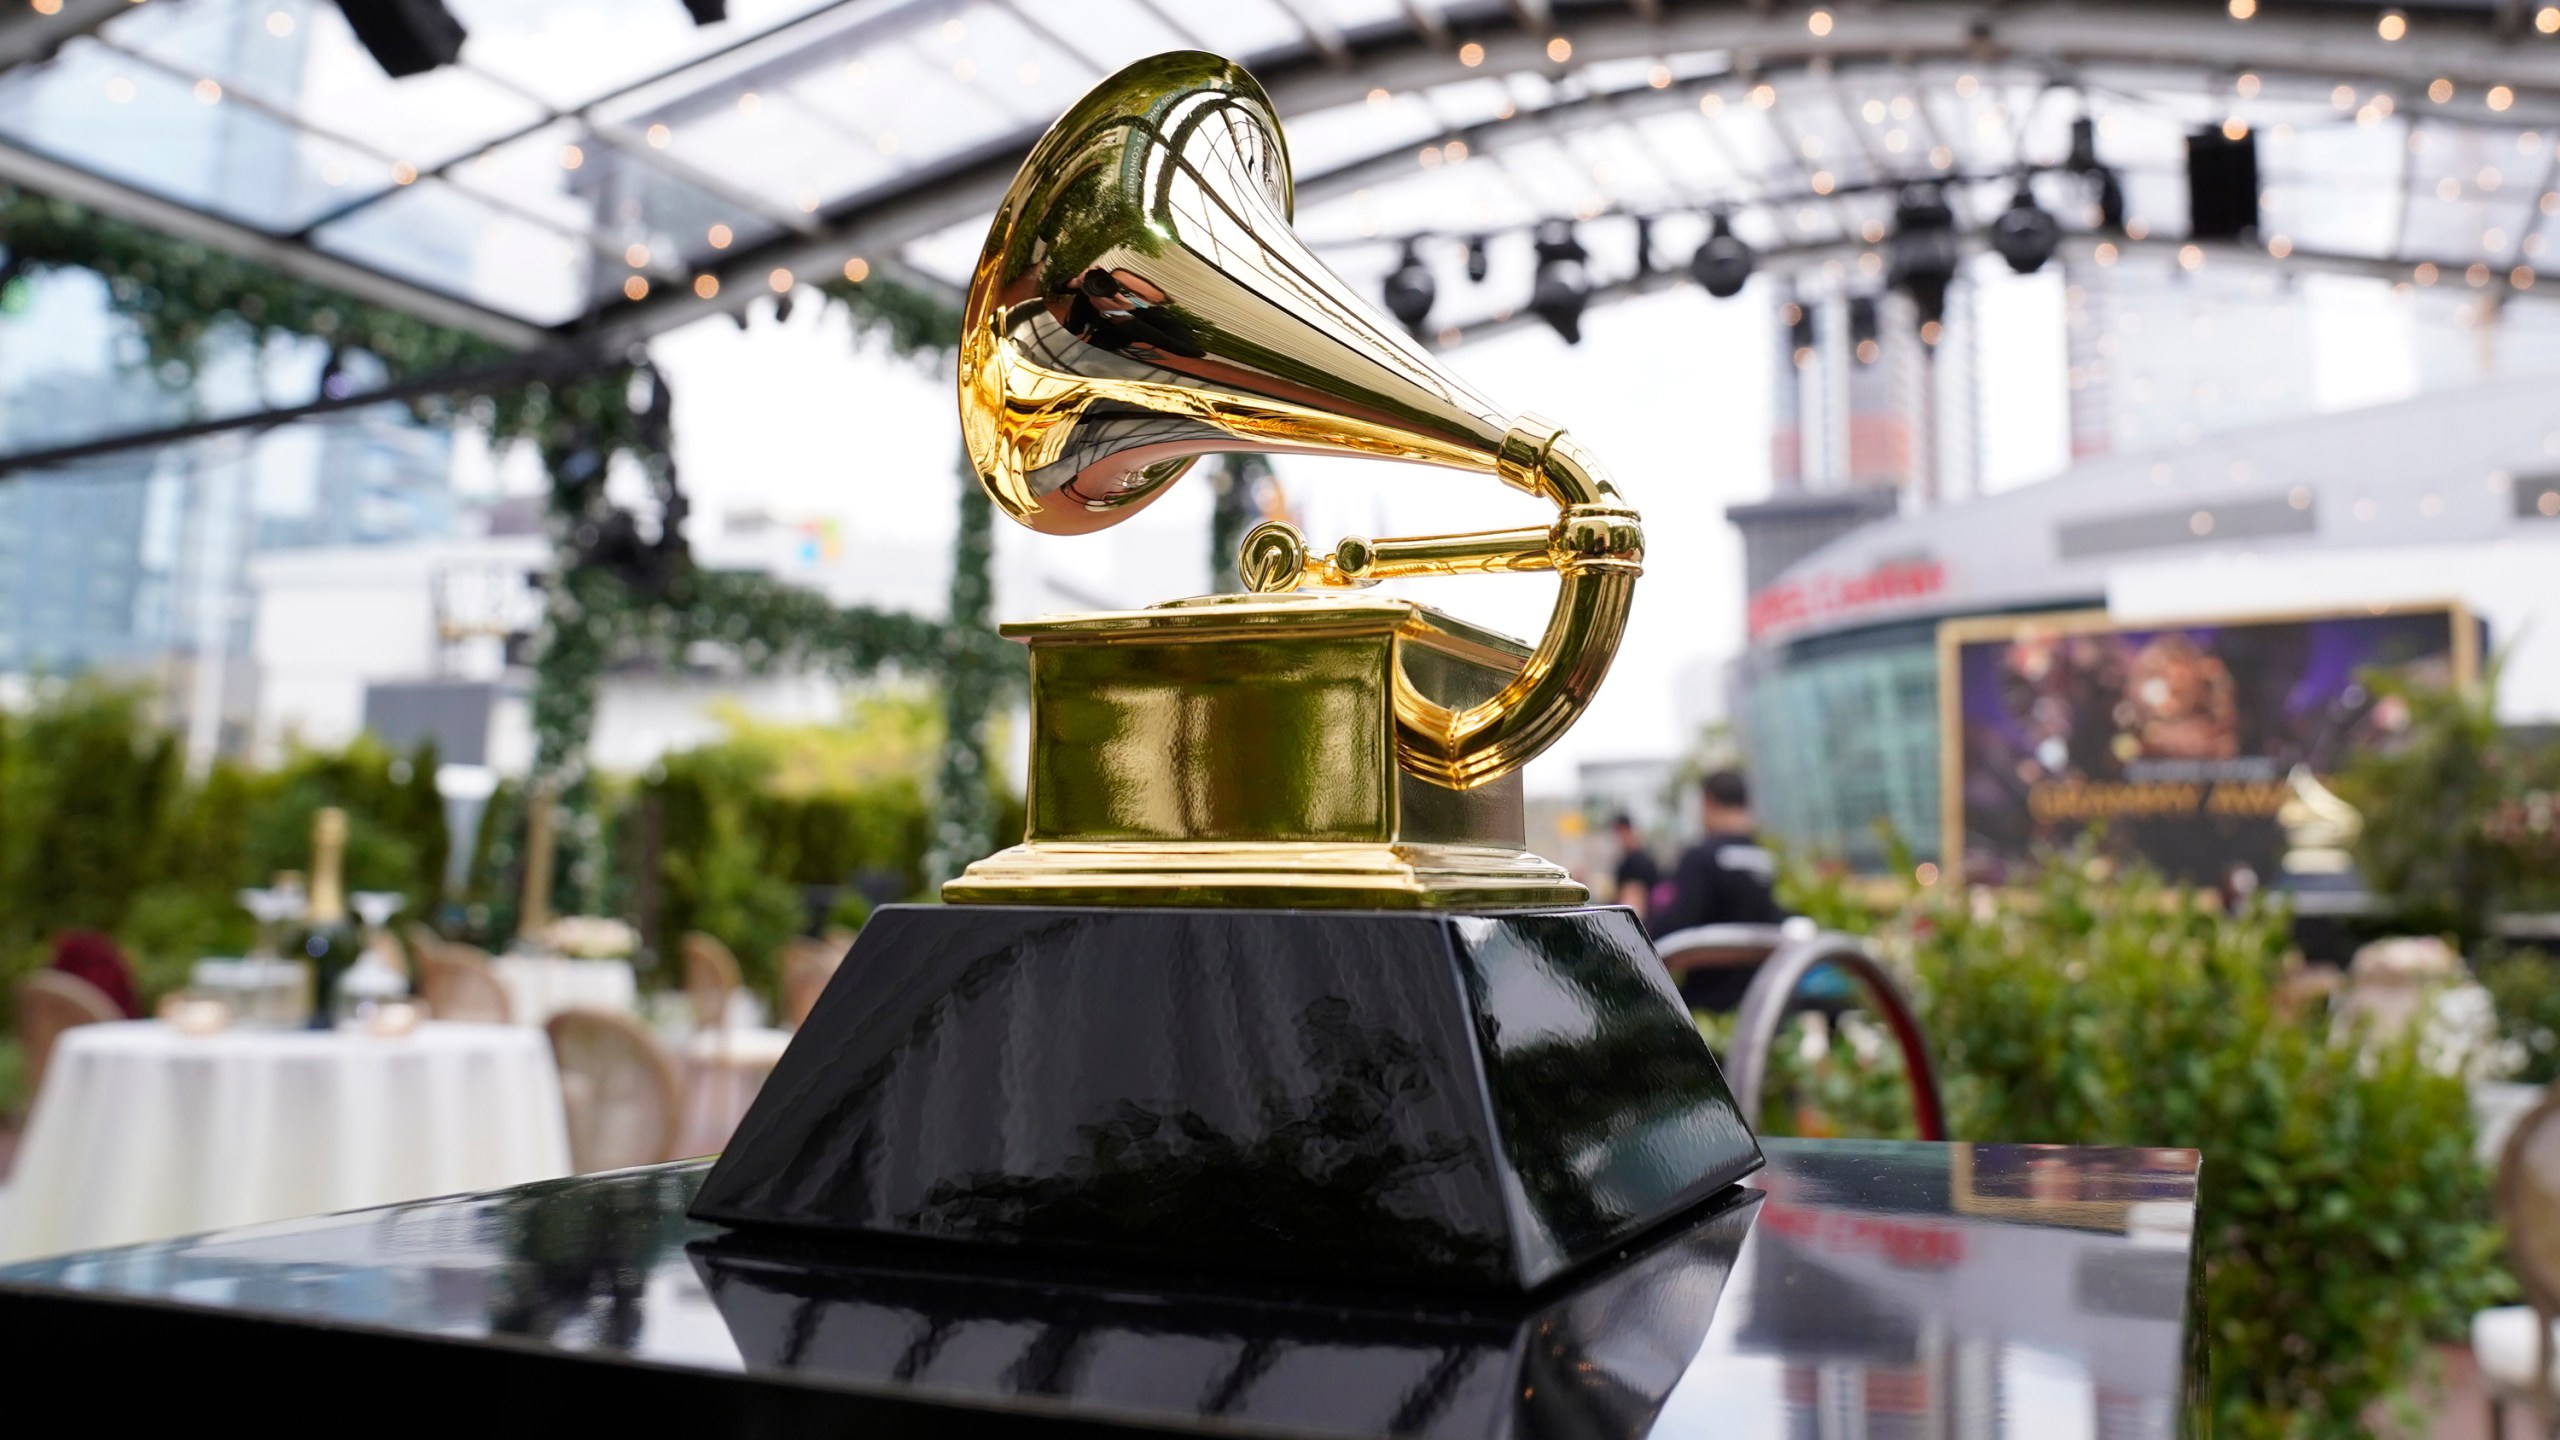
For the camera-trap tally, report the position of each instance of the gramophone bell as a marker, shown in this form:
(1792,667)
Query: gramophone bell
(1142,301)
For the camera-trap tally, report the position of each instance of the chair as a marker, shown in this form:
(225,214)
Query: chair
(620,1088)
(807,965)
(2515,1344)
(1711,963)
(710,979)
(1772,996)
(458,983)
(724,1064)
(50,1002)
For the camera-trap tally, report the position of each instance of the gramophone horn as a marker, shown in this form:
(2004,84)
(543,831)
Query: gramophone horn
(1142,301)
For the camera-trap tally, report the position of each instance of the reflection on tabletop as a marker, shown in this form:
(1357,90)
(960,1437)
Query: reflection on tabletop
(2003,1290)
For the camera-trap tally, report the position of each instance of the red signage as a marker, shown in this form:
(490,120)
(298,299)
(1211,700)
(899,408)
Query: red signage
(1791,604)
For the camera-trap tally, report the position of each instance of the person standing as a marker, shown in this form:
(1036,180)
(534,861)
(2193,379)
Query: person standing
(1637,872)
(1724,879)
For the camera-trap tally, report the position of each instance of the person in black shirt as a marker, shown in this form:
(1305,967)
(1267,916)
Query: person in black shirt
(1637,874)
(1724,879)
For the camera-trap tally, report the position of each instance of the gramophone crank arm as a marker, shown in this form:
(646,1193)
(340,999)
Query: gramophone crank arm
(1596,546)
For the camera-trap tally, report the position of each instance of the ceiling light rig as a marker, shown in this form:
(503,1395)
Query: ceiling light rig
(1563,285)
(1926,252)
(1723,263)
(1410,290)
(2025,234)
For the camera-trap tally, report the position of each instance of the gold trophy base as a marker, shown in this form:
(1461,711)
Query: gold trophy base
(1240,751)
(1281,875)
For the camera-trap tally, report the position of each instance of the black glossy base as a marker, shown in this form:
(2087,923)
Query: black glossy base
(1377,1098)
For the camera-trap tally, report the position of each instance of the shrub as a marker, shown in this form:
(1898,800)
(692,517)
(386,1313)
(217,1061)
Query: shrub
(2462,816)
(2344,1222)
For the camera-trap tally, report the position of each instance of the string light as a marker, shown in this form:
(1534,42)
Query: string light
(706,286)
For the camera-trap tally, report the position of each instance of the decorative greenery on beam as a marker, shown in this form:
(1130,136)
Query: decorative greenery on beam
(617,597)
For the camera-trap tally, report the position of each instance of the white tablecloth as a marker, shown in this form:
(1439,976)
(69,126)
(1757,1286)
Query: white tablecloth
(141,1133)
(541,986)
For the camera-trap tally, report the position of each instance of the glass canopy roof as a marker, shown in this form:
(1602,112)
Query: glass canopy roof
(603,169)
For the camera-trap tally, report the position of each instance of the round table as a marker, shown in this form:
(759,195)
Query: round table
(141,1133)
(541,986)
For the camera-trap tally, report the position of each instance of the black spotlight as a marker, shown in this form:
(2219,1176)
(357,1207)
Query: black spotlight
(1801,332)
(1410,290)
(1866,328)
(1723,263)
(404,37)
(1925,251)
(2024,234)
(1476,261)
(2110,202)
(2222,185)
(1563,286)
(707,12)
(2084,148)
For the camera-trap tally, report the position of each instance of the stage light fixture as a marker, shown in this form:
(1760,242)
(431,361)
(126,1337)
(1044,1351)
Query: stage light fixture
(2083,159)
(1925,250)
(707,12)
(1410,289)
(1723,263)
(404,37)
(1563,286)
(1477,263)
(2222,185)
(2025,234)
(1866,328)
(1802,333)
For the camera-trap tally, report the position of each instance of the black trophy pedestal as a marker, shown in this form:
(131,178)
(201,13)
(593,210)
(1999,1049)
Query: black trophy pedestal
(1382,1098)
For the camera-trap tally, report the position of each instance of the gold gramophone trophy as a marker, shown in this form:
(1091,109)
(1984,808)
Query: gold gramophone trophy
(1272,981)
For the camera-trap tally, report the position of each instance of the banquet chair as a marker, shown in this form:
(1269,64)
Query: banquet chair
(2515,1345)
(458,983)
(421,938)
(808,963)
(711,979)
(1778,990)
(50,1002)
(724,1064)
(1711,963)
(620,1088)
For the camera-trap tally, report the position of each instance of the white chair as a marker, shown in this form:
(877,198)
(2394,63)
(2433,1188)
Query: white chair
(725,1065)
(50,1002)
(624,1099)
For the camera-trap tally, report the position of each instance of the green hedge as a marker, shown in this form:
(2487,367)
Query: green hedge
(2344,1221)
(101,829)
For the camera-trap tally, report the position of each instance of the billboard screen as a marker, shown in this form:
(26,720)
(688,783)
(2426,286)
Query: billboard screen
(2178,738)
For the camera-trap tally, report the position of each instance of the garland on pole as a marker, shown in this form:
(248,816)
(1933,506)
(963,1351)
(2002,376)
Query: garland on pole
(964,828)
(619,592)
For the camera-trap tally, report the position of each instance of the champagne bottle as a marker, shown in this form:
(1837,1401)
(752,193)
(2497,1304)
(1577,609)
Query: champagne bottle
(329,941)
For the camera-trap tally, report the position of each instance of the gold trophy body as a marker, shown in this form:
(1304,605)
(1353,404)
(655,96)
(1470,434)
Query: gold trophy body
(1271,985)
(1142,301)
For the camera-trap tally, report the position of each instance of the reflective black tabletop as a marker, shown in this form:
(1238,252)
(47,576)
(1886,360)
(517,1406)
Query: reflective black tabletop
(1866,1288)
